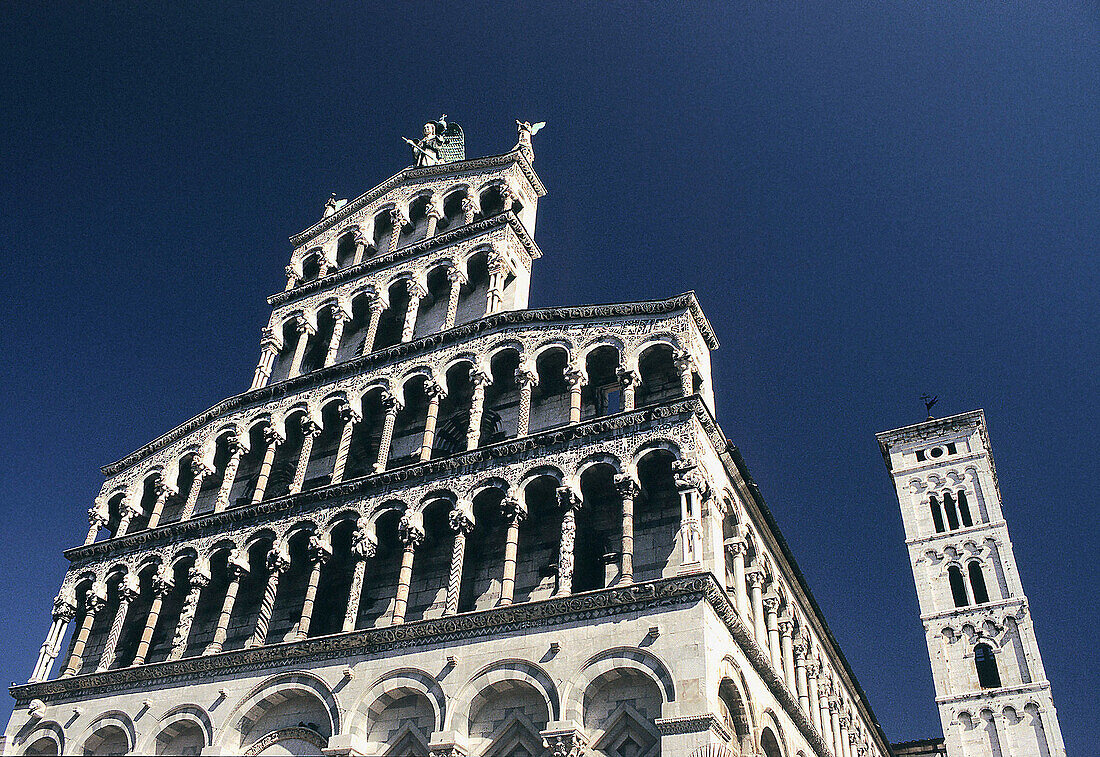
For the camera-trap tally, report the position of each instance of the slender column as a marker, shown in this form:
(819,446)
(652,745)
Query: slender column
(350,417)
(479,379)
(127,591)
(162,584)
(683,362)
(628,380)
(526,379)
(736,549)
(319,553)
(274,438)
(461,521)
(755,578)
(310,430)
(163,491)
(93,604)
(575,379)
(469,208)
(197,580)
(692,486)
(364,545)
(570,502)
(786,644)
(277,562)
(97,519)
(392,406)
(339,318)
(236,568)
(270,344)
(843,747)
(129,511)
(416,294)
(515,512)
(200,470)
(398,220)
(628,490)
(771,618)
(434,213)
(411,532)
(435,393)
(824,727)
(292,277)
(814,695)
(305,330)
(834,718)
(498,269)
(800,684)
(456,279)
(376,307)
(236,451)
(360,248)
(64,610)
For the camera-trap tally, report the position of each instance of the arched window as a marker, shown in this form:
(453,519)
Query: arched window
(964,510)
(986,665)
(952,513)
(977,582)
(958,586)
(937,514)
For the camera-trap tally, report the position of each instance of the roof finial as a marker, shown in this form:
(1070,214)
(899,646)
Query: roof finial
(929,401)
(526,131)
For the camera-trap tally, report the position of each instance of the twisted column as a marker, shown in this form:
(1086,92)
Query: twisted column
(236,451)
(273,437)
(127,591)
(236,569)
(526,379)
(398,219)
(319,553)
(411,532)
(200,470)
(628,489)
(93,604)
(683,363)
(435,393)
(350,417)
(305,330)
(163,490)
(64,610)
(456,279)
(575,379)
(339,318)
(277,562)
(162,584)
(392,406)
(310,430)
(197,580)
(515,512)
(364,545)
(755,577)
(376,307)
(270,344)
(470,206)
(628,381)
(97,519)
(570,502)
(461,521)
(479,379)
(416,294)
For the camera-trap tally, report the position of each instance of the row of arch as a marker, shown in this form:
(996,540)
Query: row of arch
(427,414)
(395,224)
(1012,730)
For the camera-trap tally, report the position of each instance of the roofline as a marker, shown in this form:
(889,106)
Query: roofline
(413,172)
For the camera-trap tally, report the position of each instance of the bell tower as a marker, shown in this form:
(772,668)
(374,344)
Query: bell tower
(992,692)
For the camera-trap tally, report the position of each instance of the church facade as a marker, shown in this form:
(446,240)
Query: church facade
(442,523)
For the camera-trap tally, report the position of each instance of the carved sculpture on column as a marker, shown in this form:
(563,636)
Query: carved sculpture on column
(461,521)
(410,531)
(479,379)
(197,580)
(684,364)
(416,294)
(570,502)
(364,545)
(526,131)
(127,591)
(236,451)
(277,562)
(470,207)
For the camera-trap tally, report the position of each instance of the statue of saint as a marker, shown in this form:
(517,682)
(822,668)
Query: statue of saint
(426,150)
(526,131)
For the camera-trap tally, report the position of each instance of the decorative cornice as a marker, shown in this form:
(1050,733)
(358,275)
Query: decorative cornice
(478,228)
(931,429)
(693,724)
(425,172)
(430,342)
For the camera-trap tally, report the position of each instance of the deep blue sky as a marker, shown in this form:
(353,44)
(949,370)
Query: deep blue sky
(871,201)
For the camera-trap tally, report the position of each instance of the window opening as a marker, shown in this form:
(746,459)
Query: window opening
(977,583)
(986,665)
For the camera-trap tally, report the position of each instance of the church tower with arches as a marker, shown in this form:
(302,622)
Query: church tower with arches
(439,522)
(992,692)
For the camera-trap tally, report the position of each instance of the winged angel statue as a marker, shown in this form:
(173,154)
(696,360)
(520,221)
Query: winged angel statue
(526,131)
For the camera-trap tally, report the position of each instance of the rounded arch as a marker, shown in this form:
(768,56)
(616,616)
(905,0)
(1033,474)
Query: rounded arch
(349,514)
(392,686)
(388,506)
(596,459)
(540,471)
(275,690)
(776,745)
(631,658)
(493,482)
(41,736)
(174,722)
(105,729)
(733,693)
(499,675)
(656,445)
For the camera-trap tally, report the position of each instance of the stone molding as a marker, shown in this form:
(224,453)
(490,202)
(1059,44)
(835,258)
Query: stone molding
(693,724)
(424,172)
(296,732)
(257,397)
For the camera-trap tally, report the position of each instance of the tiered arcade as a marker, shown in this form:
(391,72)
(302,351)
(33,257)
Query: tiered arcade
(442,523)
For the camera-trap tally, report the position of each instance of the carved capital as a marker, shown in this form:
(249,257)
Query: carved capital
(237,564)
(128,588)
(434,390)
(514,510)
(415,289)
(574,377)
(755,578)
(391,404)
(338,313)
(163,582)
(197,578)
(480,378)
(736,547)
(303,326)
(461,518)
(364,541)
(97,516)
(398,217)
(277,560)
(526,377)
(310,427)
(273,436)
(470,204)
(627,487)
(200,469)
(348,414)
(96,598)
(456,276)
(410,529)
(568,498)
(786,626)
(319,550)
(627,379)
(771,603)
(64,606)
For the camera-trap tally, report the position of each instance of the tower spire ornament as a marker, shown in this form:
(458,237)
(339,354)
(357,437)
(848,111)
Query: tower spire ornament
(526,131)
(929,401)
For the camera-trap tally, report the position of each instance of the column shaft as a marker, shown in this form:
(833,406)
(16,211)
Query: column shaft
(196,583)
(354,593)
(222,501)
(350,419)
(306,618)
(376,309)
(299,349)
(273,441)
(76,659)
(404,579)
(477,408)
(452,298)
(222,628)
(110,647)
(387,436)
(276,564)
(515,512)
(310,430)
(454,578)
(163,492)
(337,334)
(409,326)
(435,393)
(628,490)
(150,623)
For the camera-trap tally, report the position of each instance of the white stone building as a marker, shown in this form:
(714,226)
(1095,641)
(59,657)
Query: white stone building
(442,523)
